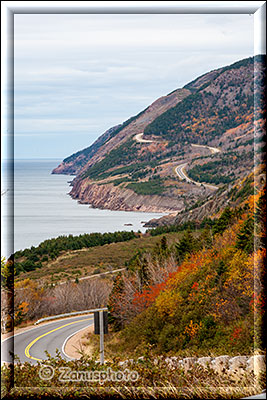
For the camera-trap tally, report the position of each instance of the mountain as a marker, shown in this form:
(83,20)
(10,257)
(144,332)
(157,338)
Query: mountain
(118,134)
(72,164)
(190,145)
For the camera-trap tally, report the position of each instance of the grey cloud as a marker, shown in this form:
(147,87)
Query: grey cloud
(82,74)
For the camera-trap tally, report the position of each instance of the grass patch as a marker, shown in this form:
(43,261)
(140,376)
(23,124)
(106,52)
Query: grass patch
(151,187)
(109,256)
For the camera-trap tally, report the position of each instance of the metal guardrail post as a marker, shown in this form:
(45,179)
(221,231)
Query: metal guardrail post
(101,326)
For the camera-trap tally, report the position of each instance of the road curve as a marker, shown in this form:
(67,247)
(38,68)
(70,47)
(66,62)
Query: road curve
(180,172)
(180,169)
(30,345)
(212,149)
(139,139)
(182,175)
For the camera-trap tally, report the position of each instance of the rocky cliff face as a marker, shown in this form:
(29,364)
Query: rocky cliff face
(110,197)
(209,209)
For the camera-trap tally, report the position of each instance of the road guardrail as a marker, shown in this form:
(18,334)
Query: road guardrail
(71,314)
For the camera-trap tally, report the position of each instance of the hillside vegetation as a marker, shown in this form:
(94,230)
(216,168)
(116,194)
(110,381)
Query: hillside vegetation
(217,105)
(202,296)
(223,109)
(33,258)
(193,287)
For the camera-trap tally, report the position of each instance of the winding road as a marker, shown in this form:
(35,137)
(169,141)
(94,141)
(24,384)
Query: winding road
(30,345)
(182,175)
(139,139)
(212,149)
(180,168)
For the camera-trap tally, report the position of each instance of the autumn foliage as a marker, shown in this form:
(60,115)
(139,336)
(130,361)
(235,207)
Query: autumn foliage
(213,297)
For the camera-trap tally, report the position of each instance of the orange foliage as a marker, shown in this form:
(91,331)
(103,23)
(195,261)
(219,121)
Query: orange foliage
(24,306)
(192,329)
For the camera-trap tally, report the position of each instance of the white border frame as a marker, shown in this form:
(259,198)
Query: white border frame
(10,8)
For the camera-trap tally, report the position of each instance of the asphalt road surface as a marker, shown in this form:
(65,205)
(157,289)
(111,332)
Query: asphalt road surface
(212,149)
(182,175)
(30,345)
(139,139)
(180,172)
(180,169)
(257,396)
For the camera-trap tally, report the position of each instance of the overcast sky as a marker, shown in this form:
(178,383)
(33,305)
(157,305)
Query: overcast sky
(78,75)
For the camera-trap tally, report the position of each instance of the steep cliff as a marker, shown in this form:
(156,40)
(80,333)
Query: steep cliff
(114,198)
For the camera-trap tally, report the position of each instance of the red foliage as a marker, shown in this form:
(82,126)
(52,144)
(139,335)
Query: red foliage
(236,334)
(257,303)
(145,298)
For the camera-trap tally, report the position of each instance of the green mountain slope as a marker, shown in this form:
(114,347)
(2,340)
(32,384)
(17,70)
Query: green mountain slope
(210,126)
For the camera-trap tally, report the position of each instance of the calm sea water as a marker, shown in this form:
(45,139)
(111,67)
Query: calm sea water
(43,209)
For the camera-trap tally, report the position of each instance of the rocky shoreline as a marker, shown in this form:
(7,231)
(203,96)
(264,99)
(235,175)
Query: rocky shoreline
(107,196)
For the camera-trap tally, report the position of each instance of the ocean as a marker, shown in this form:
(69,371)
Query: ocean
(44,210)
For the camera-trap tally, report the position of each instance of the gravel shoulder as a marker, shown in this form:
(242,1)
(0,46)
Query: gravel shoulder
(78,342)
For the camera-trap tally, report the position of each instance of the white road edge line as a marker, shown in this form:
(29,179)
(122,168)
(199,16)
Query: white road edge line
(65,342)
(36,327)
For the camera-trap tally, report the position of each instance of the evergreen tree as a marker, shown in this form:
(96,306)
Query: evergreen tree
(223,222)
(260,222)
(245,237)
(113,303)
(163,244)
(186,245)
(143,273)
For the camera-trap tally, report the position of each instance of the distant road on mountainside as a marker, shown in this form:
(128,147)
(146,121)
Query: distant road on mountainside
(180,169)
(139,139)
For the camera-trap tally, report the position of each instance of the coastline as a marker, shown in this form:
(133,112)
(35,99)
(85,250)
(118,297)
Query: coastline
(109,197)
(44,210)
